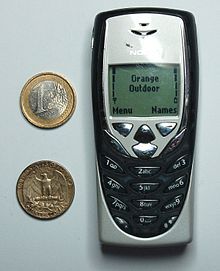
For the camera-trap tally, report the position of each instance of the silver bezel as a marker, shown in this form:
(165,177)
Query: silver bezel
(117,51)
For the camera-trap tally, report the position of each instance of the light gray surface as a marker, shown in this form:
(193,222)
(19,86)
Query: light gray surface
(55,36)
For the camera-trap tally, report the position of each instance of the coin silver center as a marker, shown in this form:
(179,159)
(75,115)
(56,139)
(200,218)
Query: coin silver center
(48,100)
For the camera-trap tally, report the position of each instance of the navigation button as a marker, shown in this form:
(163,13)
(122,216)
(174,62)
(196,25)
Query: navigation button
(165,128)
(144,188)
(117,204)
(144,134)
(145,204)
(123,128)
(144,151)
(113,185)
(111,165)
(144,171)
(116,144)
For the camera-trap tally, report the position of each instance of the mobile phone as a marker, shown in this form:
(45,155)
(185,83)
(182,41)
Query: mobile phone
(145,92)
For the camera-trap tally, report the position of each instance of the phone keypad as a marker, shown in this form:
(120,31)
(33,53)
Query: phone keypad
(145,201)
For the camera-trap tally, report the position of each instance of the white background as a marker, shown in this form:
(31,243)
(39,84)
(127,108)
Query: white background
(54,35)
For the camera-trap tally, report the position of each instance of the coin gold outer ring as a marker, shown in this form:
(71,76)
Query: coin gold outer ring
(32,168)
(38,121)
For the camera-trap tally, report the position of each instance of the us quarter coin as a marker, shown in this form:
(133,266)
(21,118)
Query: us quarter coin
(47,100)
(45,189)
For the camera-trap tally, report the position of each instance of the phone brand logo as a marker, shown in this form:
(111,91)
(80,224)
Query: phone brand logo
(136,52)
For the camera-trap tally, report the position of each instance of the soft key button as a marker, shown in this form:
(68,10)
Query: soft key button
(165,128)
(123,128)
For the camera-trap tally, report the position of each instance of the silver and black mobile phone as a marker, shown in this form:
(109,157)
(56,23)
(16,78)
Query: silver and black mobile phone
(145,92)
